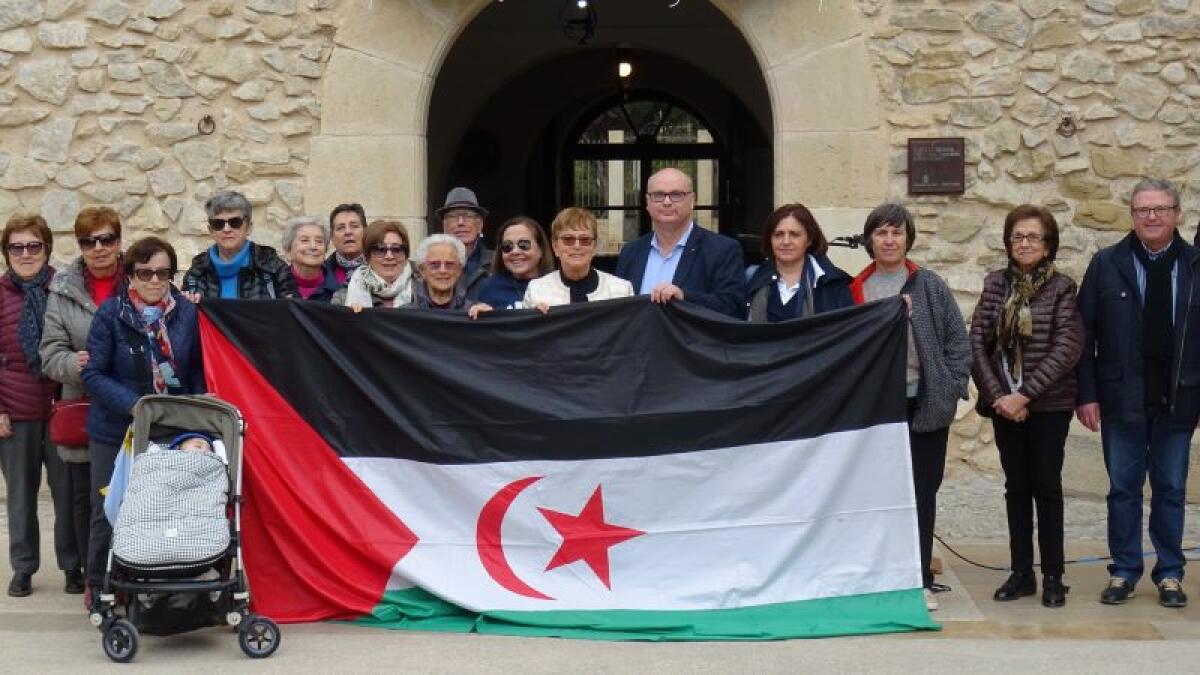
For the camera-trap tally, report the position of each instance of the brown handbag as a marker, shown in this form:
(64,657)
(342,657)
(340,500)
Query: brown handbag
(68,423)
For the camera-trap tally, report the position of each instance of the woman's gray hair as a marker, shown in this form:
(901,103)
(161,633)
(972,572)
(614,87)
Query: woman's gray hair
(229,201)
(889,213)
(1156,185)
(435,239)
(292,227)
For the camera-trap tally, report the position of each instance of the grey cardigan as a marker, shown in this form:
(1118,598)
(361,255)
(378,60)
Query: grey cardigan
(69,312)
(942,347)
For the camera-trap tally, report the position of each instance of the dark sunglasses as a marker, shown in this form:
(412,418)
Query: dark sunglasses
(395,249)
(218,224)
(146,274)
(104,240)
(523,244)
(32,248)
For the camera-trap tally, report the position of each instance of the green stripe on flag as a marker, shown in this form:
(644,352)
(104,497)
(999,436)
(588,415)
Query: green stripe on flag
(888,612)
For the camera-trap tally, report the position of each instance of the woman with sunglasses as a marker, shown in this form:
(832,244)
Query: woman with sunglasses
(387,279)
(522,254)
(575,233)
(234,267)
(144,340)
(25,397)
(75,293)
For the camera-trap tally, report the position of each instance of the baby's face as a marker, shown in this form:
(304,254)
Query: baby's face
(195,445)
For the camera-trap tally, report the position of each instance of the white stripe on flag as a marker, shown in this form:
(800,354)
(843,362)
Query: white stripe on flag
(733,527)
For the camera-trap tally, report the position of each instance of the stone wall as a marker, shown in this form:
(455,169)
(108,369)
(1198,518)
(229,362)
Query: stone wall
(1005,75)
(101,102)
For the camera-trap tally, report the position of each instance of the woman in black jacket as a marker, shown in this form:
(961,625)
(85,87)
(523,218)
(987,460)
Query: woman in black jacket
(797,278)
(234,266)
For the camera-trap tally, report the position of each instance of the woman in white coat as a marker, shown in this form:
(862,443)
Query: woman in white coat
(573,236)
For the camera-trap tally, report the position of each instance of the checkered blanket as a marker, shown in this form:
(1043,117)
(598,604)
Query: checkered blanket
(173,514)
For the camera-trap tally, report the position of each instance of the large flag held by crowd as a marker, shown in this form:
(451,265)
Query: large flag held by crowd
(612,470)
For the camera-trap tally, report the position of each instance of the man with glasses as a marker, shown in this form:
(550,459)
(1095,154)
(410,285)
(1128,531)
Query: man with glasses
(1139,385)
(234,267)
(677,260)
(462,218)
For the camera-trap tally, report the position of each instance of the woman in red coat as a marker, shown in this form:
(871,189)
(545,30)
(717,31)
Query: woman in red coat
(25,396)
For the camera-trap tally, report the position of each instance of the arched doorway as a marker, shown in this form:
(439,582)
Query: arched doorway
(554,124)
(388,131)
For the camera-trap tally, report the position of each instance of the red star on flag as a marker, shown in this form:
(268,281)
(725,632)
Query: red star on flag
(587,537)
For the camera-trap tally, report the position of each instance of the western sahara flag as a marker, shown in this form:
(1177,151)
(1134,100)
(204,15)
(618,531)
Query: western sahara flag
(612,470)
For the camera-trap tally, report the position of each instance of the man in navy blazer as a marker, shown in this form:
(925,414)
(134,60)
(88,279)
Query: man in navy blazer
(677,260)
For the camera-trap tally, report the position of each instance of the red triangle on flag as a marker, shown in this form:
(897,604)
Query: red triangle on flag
(317,543)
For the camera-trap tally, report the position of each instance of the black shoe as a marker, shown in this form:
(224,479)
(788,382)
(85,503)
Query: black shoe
(1117,592)
(21,585)
(1019,585)
(1054,592)
(1170,593)
(74,584)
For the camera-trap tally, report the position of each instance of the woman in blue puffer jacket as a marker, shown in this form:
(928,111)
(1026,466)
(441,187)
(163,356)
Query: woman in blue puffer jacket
(142,341)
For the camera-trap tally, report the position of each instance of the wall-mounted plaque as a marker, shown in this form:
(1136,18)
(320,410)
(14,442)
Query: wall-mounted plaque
(937,166)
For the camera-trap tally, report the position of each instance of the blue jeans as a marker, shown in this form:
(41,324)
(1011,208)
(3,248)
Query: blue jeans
(1130,452)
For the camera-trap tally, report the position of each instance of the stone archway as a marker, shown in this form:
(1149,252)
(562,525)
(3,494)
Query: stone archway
(831,150)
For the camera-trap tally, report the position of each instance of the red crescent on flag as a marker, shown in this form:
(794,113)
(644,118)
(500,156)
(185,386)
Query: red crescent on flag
(491,548)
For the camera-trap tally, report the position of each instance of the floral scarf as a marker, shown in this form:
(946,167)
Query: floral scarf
(162,358)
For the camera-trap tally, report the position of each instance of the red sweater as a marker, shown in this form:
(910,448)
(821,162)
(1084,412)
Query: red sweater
(24,396)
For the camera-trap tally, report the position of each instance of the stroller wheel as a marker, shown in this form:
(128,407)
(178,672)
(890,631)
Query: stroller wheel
(120,641)
(258,637)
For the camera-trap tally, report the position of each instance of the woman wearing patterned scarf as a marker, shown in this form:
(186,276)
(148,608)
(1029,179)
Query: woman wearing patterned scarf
(387,278)
(1026,335)
(143,341)
(25,398)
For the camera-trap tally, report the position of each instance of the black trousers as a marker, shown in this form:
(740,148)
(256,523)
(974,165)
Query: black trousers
(928,450)
(104,457)
(79,486)
(1031,453)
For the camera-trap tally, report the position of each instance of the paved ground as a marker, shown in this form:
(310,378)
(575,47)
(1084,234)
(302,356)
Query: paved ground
(48,632)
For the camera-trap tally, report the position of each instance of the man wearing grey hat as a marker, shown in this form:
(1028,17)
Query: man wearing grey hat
(462,218)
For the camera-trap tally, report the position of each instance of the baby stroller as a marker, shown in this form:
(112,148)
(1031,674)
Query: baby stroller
(186,572)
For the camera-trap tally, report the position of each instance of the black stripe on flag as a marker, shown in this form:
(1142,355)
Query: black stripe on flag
(619,378)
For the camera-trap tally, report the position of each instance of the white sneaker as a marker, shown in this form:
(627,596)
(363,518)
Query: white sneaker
(931,602)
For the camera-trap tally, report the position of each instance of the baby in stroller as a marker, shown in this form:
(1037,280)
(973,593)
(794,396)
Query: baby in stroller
(174,501)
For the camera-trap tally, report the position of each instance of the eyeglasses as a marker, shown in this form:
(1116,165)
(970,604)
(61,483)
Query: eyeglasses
(218,224)
(395,249)
(461,215)
(147,273)
(32,248)
(675,196)
(448,265)
(508,246)
(573,240)
(102,240)
(1160,211)
(1031,238)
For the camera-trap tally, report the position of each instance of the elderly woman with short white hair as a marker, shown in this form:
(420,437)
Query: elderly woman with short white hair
(440,260)
(305,240)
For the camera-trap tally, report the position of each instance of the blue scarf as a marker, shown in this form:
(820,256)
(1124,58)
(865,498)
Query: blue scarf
(228,271)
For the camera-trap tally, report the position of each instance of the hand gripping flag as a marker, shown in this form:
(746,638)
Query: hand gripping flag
(611,470)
